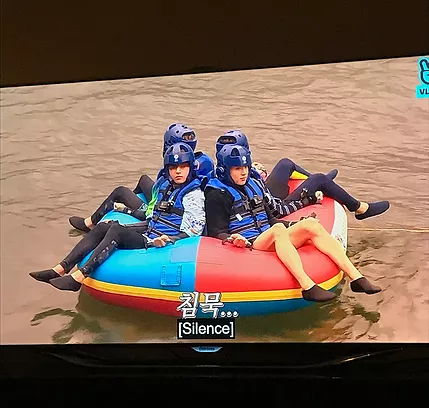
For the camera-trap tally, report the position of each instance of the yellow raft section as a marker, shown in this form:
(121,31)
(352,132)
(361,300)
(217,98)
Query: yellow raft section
(159,294)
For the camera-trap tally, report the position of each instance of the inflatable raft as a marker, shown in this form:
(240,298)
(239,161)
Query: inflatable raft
(160,280)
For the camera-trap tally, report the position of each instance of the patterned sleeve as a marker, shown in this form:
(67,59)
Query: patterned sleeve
(194,216)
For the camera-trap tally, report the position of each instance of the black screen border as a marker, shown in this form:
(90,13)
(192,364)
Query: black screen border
(44,45)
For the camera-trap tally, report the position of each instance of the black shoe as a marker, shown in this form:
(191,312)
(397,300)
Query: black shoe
(332,174)
(79,223)
(45,276)
(376,208)
(66,282)
(318,294)
(363,285)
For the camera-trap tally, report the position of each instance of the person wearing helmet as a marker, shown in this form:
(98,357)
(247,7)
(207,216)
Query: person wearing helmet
(281,172)
(178,214)
(279,207)
(179,132)
(236,212)
(175,133)
(311,191)
(124,196)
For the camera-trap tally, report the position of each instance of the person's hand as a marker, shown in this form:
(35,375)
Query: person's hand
(110,222)
(319,196)
(310,219)
(260,168)
(119,206)
(239,241)
(161,241)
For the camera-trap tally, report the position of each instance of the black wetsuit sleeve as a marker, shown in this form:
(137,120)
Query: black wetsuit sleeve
(273,220)
(218,205)
(139,214)
(180,235)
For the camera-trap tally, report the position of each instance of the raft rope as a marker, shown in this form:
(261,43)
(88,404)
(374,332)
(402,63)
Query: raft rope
(418,230)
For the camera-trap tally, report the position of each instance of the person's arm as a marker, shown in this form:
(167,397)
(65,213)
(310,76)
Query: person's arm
(139,214)
(280,208)
(194,217)
(273,220)
(218,206)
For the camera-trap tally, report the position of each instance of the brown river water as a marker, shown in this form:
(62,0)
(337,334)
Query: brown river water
(65,147)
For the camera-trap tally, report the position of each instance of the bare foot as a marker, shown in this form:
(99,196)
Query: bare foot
(88,223)
(362,208)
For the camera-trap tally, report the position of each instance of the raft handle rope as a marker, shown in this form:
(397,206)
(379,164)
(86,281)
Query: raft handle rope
(420,230)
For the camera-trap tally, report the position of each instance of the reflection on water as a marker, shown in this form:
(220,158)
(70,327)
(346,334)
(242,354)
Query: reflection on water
(77,323)
(112,324)
(65,147)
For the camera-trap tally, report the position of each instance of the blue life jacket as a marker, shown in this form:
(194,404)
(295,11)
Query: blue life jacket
(168,211)
(205,165)
(253,173)
(249,217)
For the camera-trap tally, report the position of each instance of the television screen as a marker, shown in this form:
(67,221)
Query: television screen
(272,205)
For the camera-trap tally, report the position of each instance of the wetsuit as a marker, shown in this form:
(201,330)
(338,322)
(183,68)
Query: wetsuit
(184,218)
(145,184)
(219,210)
(222,211)
(278,180)
(277,183)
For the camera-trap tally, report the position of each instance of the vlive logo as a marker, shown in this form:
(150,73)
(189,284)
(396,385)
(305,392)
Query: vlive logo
(422,90)
(221,325)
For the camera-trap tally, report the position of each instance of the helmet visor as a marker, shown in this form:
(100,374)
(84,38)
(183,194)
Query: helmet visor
(190,136)
(227,140)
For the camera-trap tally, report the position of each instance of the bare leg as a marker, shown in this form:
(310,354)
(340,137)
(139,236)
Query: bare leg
(362,207)
(277,239)
(78,276)
(328,245)
(59,269)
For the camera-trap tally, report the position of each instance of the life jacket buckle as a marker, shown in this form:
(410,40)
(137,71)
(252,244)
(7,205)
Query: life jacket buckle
(164,206)
(256,202)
